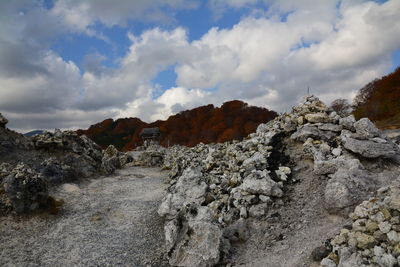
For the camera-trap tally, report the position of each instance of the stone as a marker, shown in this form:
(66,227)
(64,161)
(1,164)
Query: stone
(189,189)
(370,149)
(348,122)
(366,128)
(195,241)
(26,190)
(258,211)
(331,127)
(364,241)
(317,117)
(264,186)
(327,263)
(385,227)
(283,173)
(337,152)
(319,253)
(310,131)
(386,260)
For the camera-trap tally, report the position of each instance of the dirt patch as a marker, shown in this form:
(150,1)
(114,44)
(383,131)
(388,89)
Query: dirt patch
(109,221)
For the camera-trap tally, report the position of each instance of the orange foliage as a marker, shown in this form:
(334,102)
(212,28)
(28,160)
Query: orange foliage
(380,101)
(206,124)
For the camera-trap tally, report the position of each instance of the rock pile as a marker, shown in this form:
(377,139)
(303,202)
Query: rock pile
(215,187)
(49,159)
(373,238)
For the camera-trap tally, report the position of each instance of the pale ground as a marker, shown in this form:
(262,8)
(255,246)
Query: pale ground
(107,221)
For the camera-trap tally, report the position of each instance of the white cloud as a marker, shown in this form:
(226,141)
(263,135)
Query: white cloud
(265,59)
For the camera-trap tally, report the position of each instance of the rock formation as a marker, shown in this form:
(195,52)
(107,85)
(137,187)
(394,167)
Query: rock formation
(29,165)
(215,188)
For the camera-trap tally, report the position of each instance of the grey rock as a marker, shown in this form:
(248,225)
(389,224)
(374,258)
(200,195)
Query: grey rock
(348,185)
(195,240)
(326,262)
(189,189)
(370,149)
(265,186)
(331,127)
(348,122)
(26,190)
(317,117)
(309,131)
(259,210)
(366,128)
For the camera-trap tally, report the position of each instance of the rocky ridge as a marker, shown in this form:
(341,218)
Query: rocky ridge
(30,165)
(214,189)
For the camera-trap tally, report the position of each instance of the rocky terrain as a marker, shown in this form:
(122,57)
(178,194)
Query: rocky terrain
(304,168)
(29,166)
(309,188)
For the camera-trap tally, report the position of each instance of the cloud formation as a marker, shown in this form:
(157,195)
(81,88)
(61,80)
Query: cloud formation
(268,58)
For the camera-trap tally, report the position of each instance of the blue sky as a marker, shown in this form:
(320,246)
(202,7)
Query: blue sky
(69,63)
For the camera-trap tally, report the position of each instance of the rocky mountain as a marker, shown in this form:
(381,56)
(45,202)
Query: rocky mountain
(207,124)
(379,101)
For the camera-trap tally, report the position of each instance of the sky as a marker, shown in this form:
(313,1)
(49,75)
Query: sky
(71,63)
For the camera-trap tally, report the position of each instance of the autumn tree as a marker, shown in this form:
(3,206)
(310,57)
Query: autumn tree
(341,106)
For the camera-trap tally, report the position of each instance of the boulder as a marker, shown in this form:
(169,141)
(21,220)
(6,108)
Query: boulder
(348,122)
(310,131)
(317,117)
(265,186)
(369,148)
(194,240)
(26,189)
(366,128)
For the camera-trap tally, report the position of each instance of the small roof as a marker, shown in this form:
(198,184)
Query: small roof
(150,131)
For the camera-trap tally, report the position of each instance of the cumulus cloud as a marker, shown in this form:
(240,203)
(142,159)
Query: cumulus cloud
(268,59)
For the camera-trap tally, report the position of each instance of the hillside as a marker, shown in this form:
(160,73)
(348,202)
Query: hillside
(206,124)
(379,101)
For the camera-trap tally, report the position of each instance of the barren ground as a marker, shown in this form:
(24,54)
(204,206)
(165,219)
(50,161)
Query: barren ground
(107,221)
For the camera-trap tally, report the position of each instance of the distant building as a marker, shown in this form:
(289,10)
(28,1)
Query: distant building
(150,136)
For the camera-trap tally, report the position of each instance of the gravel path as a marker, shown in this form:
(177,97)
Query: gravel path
(108,221)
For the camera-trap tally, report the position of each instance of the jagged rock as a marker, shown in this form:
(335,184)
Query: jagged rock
(331,127)
(188,189)
(348,185)
(370,149)
(55,172)
(366,128)
(194,240)
(26,189)
(309,131)
(110,161)
(265,186)
(348,122)
(317,117)
(3,121)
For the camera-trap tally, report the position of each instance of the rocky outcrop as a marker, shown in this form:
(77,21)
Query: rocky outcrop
(373,238)
(239,181)
(26,189)
(46,160)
